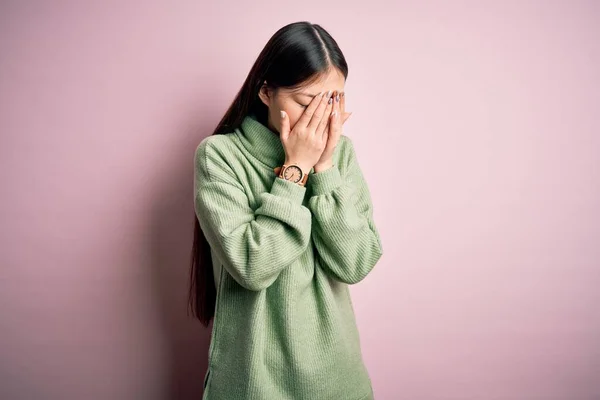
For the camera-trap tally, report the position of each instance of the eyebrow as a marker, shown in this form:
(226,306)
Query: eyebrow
(311,94)
(307,94)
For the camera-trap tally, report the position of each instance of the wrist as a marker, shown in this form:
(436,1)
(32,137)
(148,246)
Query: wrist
(323,166)
(303,166)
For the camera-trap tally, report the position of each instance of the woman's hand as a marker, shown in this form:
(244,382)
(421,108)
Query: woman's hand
(305,143)
(333,130)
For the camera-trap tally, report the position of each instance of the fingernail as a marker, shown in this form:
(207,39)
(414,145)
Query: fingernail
(329,101)
(282,114)
(337,98)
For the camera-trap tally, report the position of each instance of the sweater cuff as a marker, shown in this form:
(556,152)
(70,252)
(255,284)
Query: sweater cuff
(325,181)
(290,190)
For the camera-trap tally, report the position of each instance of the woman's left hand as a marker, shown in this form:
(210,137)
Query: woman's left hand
(333,130)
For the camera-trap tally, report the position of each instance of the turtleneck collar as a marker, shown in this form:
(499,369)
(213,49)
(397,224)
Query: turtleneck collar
(260,141)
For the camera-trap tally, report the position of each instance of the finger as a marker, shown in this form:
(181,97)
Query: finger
(337,110)
(325,120)
(325,134)
(319,112)
(335,126)
(345,117)
(285,126)
(307,115)
(343,113)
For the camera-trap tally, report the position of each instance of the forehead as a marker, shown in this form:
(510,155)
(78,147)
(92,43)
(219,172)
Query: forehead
(333,80)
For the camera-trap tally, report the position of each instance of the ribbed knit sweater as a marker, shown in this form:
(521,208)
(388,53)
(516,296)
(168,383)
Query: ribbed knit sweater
(283,256)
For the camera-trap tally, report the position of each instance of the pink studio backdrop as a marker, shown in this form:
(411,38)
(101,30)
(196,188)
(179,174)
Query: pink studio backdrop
(476,125)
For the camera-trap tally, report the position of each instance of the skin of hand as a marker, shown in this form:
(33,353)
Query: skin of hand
(333,130)
(305,143)
(295,102)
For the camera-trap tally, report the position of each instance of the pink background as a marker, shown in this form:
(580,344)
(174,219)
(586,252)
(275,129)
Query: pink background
(476,125)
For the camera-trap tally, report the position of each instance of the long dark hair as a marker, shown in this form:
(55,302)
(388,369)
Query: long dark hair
(296,55)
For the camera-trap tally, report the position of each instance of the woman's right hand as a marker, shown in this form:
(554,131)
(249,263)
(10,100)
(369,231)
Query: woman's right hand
(305,143)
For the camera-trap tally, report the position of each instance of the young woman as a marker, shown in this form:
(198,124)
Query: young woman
(283,224)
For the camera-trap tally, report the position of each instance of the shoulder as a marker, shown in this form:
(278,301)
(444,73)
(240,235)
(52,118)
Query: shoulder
(213,156)
(346,144)
(213,144)
(347,155)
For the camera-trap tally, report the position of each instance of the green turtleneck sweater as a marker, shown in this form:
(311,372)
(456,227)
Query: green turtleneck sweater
(283,257)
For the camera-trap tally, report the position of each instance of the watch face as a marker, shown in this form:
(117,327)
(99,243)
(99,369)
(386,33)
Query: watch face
(293,173)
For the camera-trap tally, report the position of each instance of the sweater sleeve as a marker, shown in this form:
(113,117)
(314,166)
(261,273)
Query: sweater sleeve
(254,245)
(347,242)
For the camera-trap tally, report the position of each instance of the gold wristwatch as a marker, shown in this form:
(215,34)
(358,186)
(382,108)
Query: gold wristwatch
(292,173)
